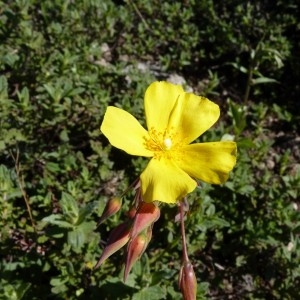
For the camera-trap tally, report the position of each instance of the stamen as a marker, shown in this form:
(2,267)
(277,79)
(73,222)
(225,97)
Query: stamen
(163,144)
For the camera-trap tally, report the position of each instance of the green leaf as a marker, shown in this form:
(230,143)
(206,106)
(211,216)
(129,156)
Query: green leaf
(24,96)
(2,145)
(3,87)
(80,234)
(64,135)
(86,211)
(51,91)
(245,143)
(69,207)
(239,67)
(150,293)
(57,219)
(261,80)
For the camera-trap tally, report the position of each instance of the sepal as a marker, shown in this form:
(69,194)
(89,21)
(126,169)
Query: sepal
(112,207)
(188,281)
(146,215)
(135,249)
(117,239)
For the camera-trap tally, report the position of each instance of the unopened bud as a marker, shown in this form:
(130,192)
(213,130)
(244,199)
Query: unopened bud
(131,213)
(112,207)
(117,239)
(188,281)
(146,215)
(136,248)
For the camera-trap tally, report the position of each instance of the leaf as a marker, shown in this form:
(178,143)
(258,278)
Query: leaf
(75,91)
(22,289)
(220,222)
(51,91)
(210,211)
(3,87)
(239,67)
(246,143)
(13,135)
(57,219)
(150,293)
(76,239)
(263,80)
(69,207)
(64,137)
(85,211)
(2,145)
(24,96)
(238,113)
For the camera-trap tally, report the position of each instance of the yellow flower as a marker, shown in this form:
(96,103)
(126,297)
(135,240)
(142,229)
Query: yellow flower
(174,119)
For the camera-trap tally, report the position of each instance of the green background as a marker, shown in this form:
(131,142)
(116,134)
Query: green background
(63,62)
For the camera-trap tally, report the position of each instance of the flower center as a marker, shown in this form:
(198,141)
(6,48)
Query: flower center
(163,144)
(168,143)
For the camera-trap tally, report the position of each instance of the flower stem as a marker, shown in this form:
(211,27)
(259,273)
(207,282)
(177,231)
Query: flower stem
(184,248)
(249,83)
(132,185)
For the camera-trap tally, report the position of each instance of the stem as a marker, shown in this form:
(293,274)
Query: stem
(21,184)
(130,187)
(253,64)
(184,248)
(248,85)
(139,14)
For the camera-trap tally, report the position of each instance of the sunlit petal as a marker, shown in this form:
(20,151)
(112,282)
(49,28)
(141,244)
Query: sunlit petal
(209,162)
(193,115)
(162,180)
(125,132)
(159,101)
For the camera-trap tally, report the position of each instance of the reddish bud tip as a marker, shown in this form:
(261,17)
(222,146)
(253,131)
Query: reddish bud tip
(188,281)
(117,239)
(146,215)
(112,207)
(131,213)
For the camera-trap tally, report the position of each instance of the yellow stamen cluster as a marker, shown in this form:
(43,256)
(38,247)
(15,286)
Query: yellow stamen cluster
(163,144)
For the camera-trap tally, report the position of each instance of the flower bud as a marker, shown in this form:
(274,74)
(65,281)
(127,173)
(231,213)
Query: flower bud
(112,207)
(136,248)
(188,281)
(131,213)
(117,239)
(146,215)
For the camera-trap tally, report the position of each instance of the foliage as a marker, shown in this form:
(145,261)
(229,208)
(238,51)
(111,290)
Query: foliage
(63,62)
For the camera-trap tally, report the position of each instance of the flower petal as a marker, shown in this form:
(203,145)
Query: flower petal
(209,162)
(193,115)
(163,181)
(159,101)
(125,132)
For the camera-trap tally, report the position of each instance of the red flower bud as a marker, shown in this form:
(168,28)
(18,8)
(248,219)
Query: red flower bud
(131,213)
(188,281)
(136,248)
(112,207)
(146,215)
(117,239)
